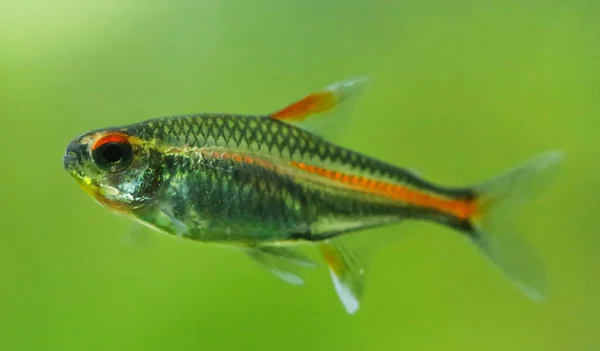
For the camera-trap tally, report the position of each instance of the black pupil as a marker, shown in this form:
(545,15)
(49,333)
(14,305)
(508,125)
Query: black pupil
(112,153)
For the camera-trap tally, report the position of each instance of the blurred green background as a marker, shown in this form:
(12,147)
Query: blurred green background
(461,91)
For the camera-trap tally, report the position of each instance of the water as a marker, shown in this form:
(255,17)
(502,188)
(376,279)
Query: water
(461,91)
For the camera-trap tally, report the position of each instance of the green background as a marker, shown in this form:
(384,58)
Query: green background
(461,91)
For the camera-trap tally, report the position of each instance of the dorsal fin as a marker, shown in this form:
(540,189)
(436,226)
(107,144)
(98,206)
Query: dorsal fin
(324,112)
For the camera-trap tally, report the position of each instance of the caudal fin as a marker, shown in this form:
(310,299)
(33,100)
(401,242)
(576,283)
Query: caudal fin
(499,200)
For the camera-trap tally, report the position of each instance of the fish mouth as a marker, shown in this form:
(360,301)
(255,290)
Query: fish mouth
(69,161)
(72,163)
(70,157)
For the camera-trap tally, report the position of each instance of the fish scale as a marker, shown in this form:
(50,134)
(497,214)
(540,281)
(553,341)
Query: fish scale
(277,136)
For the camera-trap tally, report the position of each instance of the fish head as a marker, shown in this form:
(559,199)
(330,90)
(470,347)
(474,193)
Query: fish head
(118,169)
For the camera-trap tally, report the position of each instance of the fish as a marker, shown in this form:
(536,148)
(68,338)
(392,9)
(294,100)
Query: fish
(270,185)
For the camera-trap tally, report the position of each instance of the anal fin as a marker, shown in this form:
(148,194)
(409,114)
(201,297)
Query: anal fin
(282,262)
(347,270)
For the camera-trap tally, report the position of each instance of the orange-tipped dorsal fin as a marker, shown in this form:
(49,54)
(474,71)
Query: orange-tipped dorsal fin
(322,112)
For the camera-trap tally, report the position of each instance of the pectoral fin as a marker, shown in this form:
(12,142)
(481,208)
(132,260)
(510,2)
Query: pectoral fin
(138,236)
(180,228)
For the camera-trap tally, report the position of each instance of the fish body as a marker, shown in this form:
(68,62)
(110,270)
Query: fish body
(248,189)
(265,183)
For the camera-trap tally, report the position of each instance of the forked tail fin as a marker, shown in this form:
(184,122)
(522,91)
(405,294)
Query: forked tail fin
(499,200)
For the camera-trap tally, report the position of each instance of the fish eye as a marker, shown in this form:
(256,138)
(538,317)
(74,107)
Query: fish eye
(113,152)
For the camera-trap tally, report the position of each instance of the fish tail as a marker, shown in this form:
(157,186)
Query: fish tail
(497,203)
(486,216)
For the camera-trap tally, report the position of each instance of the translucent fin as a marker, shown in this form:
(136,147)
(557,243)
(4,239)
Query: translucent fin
(283,262)
(180,228)
(139,236)
(367,245)
(496,236)
(347,271)
(324,112)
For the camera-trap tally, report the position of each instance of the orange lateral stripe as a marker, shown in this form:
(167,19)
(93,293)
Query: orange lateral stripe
(115,137)
(312,104)
(223,155)
(460,208)
(240,158)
